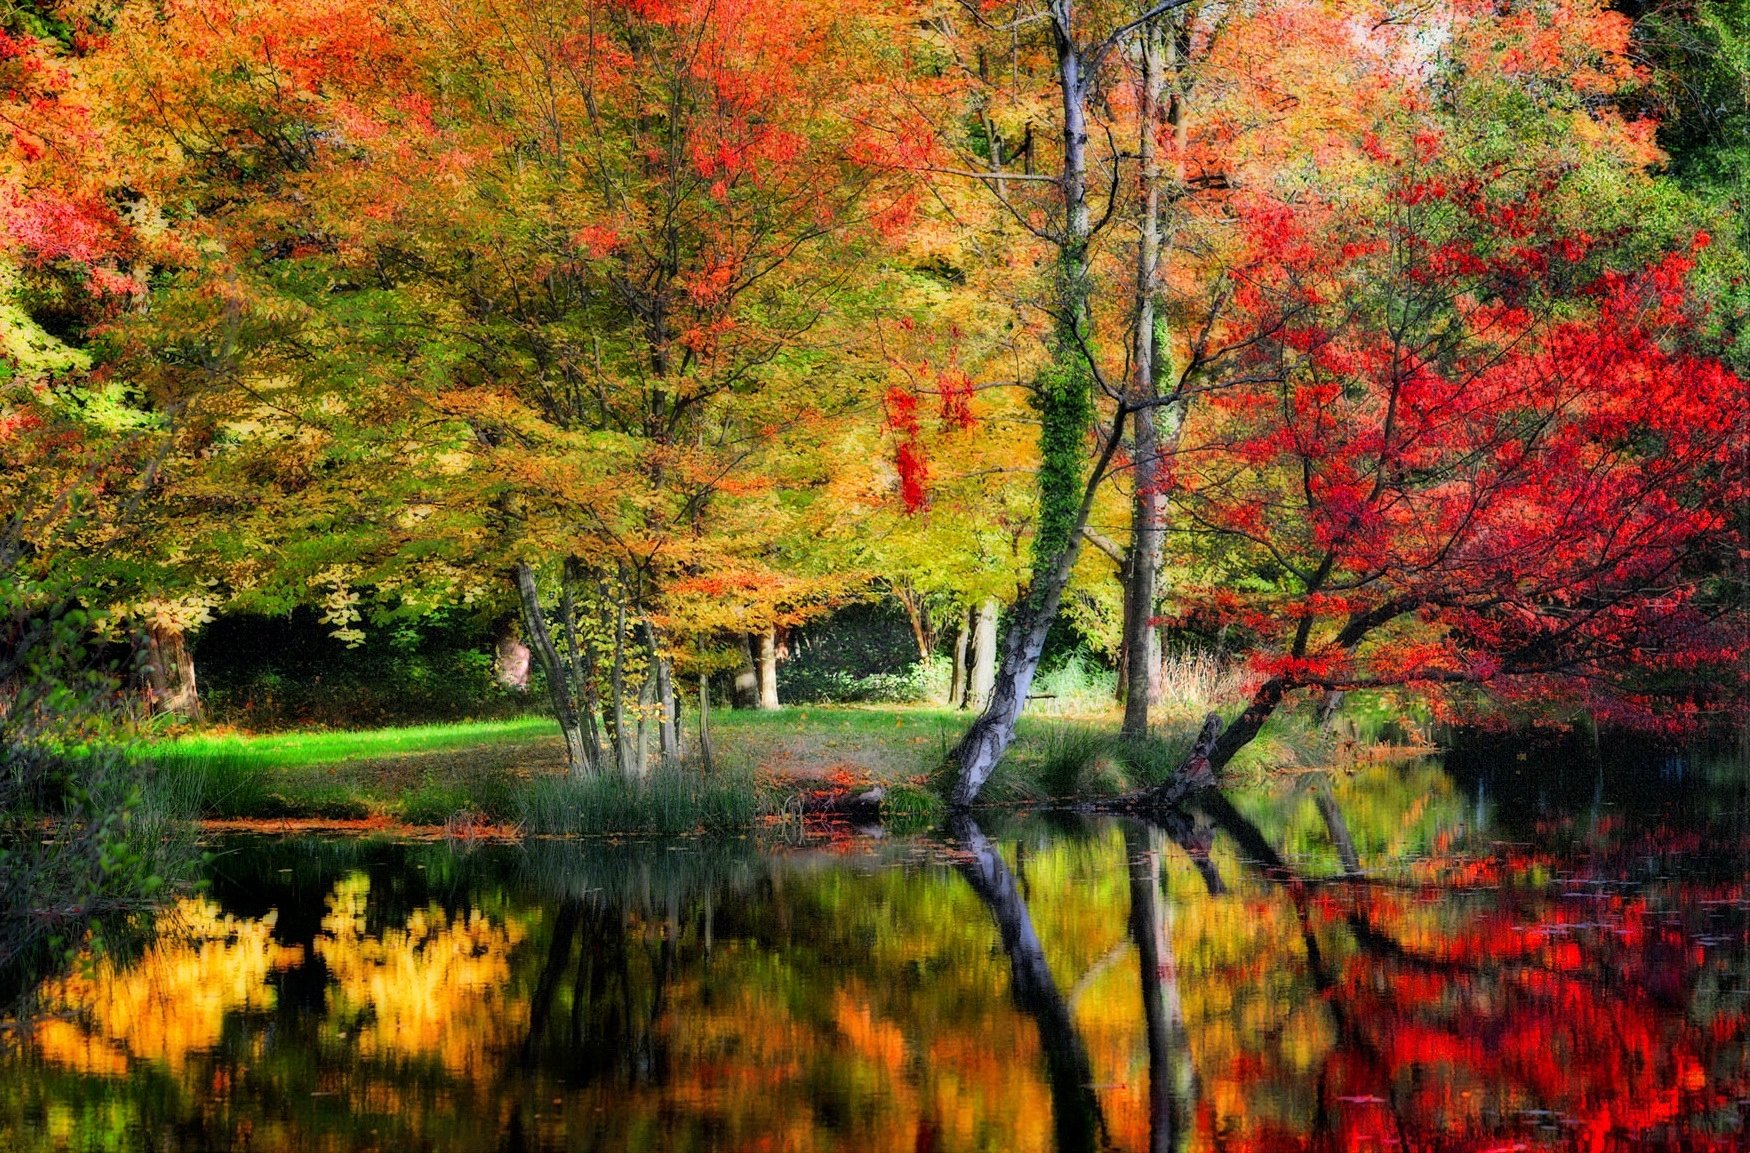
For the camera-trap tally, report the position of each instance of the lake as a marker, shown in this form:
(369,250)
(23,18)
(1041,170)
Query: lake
(1495,953)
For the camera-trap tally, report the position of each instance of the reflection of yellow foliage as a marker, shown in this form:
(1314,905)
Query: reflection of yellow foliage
(171,1002)
(436,988)
(879,1041)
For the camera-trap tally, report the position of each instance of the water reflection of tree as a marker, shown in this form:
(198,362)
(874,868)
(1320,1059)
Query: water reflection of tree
(1076,1113)
(1591,1031)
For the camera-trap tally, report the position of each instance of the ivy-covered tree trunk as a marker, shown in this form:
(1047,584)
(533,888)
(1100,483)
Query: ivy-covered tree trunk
(1063,395)
(578,761)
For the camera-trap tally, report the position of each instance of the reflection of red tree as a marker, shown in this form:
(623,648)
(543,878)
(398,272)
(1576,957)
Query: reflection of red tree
(1517,1018)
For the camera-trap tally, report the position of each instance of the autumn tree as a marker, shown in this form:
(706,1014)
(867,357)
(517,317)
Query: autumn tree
(1474,444)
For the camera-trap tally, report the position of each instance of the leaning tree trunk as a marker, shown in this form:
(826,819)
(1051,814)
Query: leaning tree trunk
(170,673)
(578,760)
(1063,395)
(984,744)
(1075,1106)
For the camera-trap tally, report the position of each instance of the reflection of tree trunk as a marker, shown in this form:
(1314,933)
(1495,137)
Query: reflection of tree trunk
(558,954)
(1075,1107)
(1196,838)
(170,673)
(1337,827)
(1170,1075)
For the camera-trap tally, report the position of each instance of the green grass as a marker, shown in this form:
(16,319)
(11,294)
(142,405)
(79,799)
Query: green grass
(291,750)
(669,802)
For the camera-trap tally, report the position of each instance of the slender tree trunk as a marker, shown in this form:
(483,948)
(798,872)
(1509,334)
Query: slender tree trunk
(624,739)
(766,661)
(917,615)
(582,666)
(577,760)
(170,673)
(1074,1105)
(670,733)
(957,694)
(1171,1078)
(1144,565)
(647,725)
(705,755)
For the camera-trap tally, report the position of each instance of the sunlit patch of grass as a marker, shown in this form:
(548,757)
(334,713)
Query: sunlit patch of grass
(289,750)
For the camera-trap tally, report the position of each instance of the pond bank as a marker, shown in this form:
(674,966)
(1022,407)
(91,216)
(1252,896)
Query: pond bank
(769,765)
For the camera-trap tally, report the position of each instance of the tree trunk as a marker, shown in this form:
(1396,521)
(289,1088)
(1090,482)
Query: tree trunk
(705,757)
(766,662)
(1063,395)
(581,663)
(1171,1077)
(577,759)
(962,638)
(747,677)
(170,673)
(982,675)
(647,726)
(917,615)
(989,738)
(1074,1106)
(1328,709)
(510,659)
(670,732)
(1144,565)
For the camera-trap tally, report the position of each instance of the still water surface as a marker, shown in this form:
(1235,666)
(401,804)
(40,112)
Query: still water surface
(1407,957)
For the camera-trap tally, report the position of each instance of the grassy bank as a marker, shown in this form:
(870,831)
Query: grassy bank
(768,764)
(513,771)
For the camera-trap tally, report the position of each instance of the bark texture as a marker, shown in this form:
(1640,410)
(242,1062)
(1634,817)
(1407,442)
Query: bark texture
(170,673)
